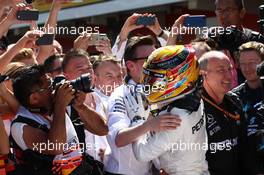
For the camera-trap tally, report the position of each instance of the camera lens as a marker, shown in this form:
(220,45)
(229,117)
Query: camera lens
(82,83)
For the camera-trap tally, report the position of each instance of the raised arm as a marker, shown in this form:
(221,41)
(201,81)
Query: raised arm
(27,41)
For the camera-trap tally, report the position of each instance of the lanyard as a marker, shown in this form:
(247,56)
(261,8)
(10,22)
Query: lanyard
(235,117)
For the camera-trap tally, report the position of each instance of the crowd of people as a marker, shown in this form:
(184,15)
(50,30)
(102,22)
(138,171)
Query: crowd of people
(146,105)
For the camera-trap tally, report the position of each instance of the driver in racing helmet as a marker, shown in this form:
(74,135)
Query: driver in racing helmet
(171,75)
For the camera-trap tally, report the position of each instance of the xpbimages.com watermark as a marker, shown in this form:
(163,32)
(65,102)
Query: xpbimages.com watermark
(225,145)
(143,89)
(64,30)
(212,147)
(182,30)
(51,146)
(214,31)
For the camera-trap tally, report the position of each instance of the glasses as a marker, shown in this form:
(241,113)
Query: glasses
(42,90)
(227,11)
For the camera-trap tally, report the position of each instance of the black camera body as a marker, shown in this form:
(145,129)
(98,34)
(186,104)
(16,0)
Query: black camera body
(82,83)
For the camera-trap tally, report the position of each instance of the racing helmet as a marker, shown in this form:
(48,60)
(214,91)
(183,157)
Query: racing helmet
(170,73)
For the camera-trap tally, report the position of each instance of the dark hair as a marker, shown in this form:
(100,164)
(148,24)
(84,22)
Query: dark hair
(49,62)
(72,54)
(135,42)
(27,79)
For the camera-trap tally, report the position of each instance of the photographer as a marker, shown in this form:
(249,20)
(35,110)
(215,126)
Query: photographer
(76,63)
(42,131)
(251,94)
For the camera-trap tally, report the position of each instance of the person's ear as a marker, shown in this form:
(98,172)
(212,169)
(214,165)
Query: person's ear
(242,13)
(130,65)
(33,98)
(95,78)
(203,73)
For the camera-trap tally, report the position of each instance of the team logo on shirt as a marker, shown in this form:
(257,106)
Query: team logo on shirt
(119,106)
(198,125)
(212,125)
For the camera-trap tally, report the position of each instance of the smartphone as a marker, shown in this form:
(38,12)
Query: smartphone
(195,21)
(145,20)
(28,15)
(46,39)
(96,37)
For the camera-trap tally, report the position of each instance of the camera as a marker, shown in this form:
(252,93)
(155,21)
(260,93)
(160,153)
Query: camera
(82,83)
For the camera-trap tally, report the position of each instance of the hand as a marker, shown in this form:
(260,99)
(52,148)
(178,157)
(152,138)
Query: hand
(163,123)
(64,95)
(79,99)
(178,24)
(155,28)
(175,30)
(12,15)
(29,39)
(105,47)
(82,42)
(129,26)
(135,107)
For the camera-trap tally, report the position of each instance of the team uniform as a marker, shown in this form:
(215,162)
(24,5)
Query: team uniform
(181,151)
(225,135)
(251,100)
(122,160)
